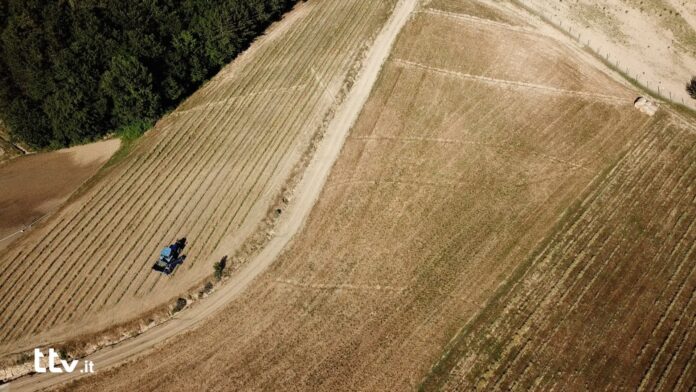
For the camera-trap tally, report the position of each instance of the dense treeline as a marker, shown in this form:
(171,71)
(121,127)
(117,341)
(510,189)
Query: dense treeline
(71,70)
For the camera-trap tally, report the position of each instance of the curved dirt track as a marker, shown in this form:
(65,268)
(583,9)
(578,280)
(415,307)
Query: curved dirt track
(306,195)
(209,171)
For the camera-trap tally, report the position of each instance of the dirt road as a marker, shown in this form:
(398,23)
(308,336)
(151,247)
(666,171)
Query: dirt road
(307,192)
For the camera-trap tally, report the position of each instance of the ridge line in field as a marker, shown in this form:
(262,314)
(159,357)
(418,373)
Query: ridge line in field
(471,18)
(341,286)
(307,193)
(469,142)
(223,101)
(611,99)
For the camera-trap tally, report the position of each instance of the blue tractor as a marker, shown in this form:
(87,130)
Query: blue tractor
(170,257)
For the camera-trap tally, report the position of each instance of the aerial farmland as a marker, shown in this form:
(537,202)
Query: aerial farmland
(404,195)
(209,171)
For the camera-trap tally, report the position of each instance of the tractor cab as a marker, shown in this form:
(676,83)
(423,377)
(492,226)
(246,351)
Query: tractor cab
(170,257)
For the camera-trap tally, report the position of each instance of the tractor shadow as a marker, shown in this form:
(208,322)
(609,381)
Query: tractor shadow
(176,264)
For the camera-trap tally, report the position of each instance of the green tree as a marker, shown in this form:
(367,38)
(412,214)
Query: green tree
(691,88)
(71,71)
(3,13)
(219,267)
(28,122)
(128,84)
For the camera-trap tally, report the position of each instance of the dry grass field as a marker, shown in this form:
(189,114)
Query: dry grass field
(35,185)
(607,303)
(208,171)
(470,156)
(653,41)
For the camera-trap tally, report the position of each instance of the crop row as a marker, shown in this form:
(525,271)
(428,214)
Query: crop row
(605,286)
(198,174)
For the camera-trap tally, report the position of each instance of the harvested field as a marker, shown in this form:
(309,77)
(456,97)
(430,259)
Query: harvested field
(652,41)
(36,185)
(471,9)
(208,171)
(608,302)
(468,156)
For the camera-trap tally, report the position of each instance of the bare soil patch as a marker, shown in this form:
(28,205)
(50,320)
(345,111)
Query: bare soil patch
(35,185)
(653,41)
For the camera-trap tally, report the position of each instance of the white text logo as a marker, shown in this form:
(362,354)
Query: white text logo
(54,359)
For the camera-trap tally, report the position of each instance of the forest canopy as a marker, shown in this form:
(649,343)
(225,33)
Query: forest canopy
(72,70)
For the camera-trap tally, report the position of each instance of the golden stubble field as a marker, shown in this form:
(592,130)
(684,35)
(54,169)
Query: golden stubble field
(470,156)
(209,171)
(607,302)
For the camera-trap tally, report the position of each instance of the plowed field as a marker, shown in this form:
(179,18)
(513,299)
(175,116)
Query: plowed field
(208,171)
